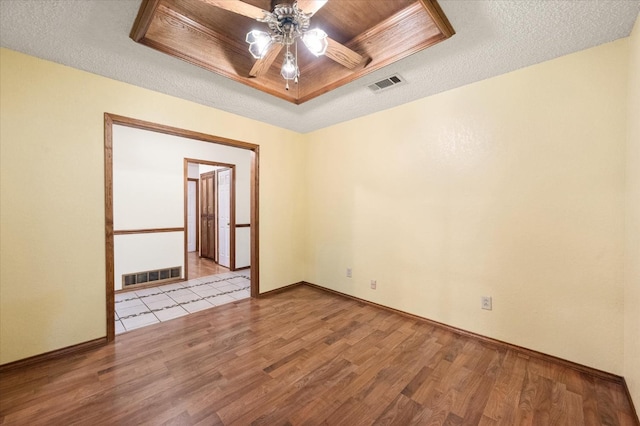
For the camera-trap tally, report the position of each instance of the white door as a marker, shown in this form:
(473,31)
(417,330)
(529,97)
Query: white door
(224,216)
(192,210)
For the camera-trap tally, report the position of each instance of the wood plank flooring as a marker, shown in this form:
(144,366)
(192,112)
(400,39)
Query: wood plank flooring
(200,267)
(305,356)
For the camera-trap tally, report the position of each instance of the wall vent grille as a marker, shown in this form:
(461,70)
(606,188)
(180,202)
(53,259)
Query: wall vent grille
(157,275)
(386,83)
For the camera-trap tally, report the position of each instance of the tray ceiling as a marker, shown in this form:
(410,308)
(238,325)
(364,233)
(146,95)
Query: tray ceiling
(381,31)
(492,38)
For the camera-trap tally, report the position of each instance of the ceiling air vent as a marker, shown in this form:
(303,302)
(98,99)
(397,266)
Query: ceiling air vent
(386,83)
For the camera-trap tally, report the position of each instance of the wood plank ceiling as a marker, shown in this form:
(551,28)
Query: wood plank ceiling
(382,31)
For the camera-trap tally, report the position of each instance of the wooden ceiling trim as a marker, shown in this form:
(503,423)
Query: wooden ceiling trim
(216,41)
(179,36)
(311,6)
(396,42)
(195,42)
(398,20)
(177,19)
(344,20)
(365,40)
(386,43)
(143,19)
(239,7)
(437,15)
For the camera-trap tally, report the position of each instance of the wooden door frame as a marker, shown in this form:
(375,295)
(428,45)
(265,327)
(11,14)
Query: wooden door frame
(232,207)
(112,119)
(197,181)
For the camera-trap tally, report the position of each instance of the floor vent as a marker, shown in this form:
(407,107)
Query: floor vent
(157,275)
(386,83)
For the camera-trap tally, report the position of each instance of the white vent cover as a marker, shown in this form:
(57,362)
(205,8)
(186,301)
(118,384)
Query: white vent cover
(386,83)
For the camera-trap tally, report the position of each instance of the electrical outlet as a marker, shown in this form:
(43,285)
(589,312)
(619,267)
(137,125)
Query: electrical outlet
(486,303)
(349,273)
(374,284)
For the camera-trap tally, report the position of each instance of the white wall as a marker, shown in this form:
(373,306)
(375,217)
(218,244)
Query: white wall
(193,171)
(147,252)
(148,192)
(243,241)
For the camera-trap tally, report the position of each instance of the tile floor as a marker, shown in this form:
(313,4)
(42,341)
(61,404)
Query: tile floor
(139,308)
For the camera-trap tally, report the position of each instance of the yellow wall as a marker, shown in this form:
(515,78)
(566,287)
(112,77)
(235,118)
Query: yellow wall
(52,291)
(511,187)
(632,243)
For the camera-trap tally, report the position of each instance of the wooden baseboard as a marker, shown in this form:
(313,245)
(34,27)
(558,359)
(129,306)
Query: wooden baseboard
(487,340)
(633,407)
(281,289)
(58,353)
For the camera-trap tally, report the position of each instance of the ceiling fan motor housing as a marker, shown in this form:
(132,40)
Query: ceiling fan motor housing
(287,20)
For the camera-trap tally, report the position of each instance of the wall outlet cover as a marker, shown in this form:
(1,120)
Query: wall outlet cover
(487,303)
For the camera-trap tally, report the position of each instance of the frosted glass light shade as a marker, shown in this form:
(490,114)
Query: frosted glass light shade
(259,43)
(316,41)
(289,69)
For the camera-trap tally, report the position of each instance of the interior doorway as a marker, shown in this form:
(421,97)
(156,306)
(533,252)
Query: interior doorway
(215,211)
(199,143)
(207,210)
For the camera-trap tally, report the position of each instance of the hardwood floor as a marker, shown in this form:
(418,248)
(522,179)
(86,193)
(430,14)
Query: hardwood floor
(201,267)
(305,356)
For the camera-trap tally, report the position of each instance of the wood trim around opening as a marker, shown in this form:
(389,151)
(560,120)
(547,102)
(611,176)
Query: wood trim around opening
(147,231)
(113,119)
(232,221)
(255,215)
(108,228)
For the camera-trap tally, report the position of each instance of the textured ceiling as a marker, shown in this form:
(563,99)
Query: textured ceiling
(492,38)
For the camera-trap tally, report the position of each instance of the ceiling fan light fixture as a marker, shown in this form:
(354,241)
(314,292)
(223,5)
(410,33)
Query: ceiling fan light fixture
(289,69)
(316,41)
(259,43)
(288,23)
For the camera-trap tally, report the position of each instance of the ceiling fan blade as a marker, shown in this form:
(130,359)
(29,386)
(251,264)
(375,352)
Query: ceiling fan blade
(311,6)
(262,65)
(239,7)
(343,55)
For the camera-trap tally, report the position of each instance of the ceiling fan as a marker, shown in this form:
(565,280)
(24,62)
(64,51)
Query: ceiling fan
(287,24)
